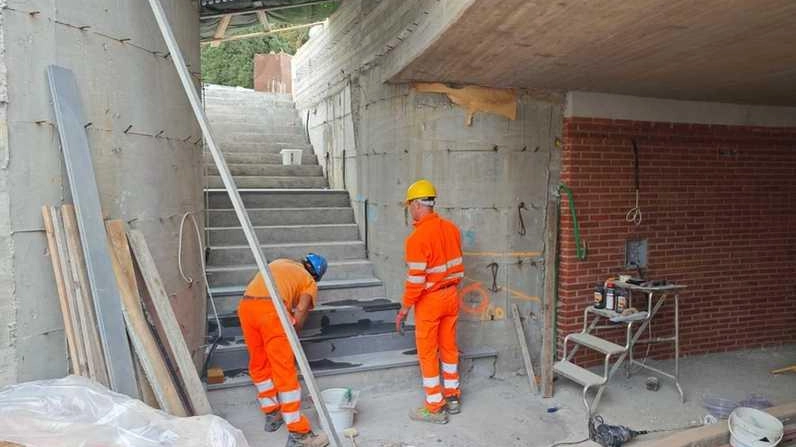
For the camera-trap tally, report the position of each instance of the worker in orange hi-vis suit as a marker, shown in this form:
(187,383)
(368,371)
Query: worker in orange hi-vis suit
(434,260)
(271,360)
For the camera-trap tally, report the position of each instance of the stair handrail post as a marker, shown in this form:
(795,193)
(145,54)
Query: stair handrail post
(240,211)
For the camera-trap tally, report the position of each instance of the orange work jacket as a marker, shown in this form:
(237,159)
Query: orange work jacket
(433,257)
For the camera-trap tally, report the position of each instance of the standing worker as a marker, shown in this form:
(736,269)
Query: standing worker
(271,361)
(434,260)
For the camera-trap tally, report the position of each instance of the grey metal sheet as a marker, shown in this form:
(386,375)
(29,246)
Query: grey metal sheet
(71,122)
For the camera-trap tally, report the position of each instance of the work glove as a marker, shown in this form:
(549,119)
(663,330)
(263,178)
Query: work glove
(400,321)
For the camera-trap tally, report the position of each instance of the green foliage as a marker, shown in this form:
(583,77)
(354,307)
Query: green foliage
(232,63)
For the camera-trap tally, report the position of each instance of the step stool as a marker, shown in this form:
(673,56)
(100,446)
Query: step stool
(656,297)
(581,375)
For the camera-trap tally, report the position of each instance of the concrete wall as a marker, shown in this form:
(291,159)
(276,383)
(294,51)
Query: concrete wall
(148,176)
(374,139)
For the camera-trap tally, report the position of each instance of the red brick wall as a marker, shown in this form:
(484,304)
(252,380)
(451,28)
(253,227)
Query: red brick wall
(719,214)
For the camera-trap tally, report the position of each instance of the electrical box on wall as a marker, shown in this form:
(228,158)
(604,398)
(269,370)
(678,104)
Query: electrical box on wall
(636,253)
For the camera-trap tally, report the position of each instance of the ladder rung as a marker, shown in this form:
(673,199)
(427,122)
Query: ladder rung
(578,374)
(597,343)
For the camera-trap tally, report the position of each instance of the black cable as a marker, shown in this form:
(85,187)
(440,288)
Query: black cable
(522,221)
(494,267)
(557,444)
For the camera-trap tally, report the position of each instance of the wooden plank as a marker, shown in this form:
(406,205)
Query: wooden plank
(144,387)
(716,434)
(221,30)
(526,356)
(85,304)
(70,287)
(550,264)
(263,17)
(143,341)
(171,328)
(71,122)
(69,330)
(217,41)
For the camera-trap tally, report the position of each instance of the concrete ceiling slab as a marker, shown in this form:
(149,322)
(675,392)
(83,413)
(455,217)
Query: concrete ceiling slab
(715,50)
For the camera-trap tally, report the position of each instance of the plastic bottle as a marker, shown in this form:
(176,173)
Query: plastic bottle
(609,295)
(599,297)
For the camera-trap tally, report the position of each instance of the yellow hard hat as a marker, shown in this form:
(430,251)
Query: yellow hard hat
(420,190)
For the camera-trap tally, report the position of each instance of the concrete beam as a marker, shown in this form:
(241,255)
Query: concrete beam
(623,107)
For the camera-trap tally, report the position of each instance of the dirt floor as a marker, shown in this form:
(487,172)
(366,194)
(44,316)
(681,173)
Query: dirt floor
(502,412)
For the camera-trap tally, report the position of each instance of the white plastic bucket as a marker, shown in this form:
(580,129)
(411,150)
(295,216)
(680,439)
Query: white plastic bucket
(291,156)
(754,428)
(341,404)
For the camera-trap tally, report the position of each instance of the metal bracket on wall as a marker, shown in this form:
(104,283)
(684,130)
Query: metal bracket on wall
(71,121)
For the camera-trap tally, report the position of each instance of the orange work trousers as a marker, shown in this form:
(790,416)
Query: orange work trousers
(271,362)
(435,333)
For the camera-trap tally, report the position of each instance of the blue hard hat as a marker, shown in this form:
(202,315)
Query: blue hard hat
(316,265)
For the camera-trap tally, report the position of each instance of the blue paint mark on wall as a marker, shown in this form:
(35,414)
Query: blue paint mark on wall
(468,239)
(373,213)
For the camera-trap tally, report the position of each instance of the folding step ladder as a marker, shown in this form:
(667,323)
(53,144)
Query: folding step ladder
(609,349)
(656,296)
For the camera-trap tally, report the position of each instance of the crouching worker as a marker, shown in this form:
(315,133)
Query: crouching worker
(271,362)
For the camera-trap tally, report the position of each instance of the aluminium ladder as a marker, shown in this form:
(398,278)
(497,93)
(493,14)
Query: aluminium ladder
(611,350)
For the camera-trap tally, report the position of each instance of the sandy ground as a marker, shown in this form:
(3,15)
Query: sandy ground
(501,411)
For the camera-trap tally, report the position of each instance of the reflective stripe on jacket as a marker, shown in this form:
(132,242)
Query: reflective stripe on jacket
(433,258)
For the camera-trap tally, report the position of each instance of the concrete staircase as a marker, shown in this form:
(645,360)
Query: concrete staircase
(293,211)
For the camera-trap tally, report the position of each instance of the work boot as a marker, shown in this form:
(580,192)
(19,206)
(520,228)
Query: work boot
(308,439)
(422,414)
(273,421)
(453,404)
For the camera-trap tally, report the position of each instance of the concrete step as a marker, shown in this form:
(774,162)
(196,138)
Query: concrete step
(262,146)
(270,126)
(230,355)
(260,181)
(227,91)
(269,170)
(254,122)
(283,234)
(241,254)
(252,114)
(232,99)
(237,275)
(333,319)
(294,136)
(280,198)
(283,216)
(329,291)
(307,158)
(370,370)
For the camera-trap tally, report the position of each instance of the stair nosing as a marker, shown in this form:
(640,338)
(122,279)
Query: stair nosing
(281,190)
(321,307)
(276,210)
(296,244)
(410,360)
(271,227)
(244,267)
(334,284)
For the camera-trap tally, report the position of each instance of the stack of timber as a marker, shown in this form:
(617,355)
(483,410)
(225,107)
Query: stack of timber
(165,375)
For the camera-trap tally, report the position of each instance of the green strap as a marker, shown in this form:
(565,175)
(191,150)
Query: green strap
(580,247)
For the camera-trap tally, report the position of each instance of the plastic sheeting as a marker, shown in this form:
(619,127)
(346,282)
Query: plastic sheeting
(76,412)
